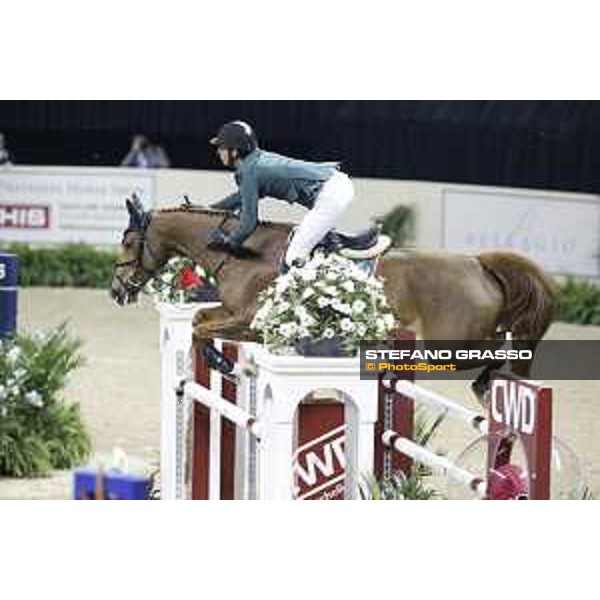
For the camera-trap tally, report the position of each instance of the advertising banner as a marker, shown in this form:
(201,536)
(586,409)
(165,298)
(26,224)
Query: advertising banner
(560,233)
(70,205)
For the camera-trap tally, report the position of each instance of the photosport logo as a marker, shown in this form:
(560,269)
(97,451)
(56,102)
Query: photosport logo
(462,359)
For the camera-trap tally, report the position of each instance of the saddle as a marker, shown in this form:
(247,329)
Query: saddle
(364,245)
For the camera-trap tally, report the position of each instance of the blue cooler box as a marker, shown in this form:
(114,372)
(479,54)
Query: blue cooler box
(9,276)
(115,485)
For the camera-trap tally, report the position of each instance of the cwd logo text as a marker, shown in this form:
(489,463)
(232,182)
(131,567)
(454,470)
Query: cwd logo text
(513,404)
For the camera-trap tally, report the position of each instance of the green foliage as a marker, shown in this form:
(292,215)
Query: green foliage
(399,224)
(38,430)
(70,265)
(396,487)
(411,486)
(579,302)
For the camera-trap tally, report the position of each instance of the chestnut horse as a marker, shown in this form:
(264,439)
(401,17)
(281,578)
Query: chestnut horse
(440,296)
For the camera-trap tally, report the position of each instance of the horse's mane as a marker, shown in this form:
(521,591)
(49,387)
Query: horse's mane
(215,212)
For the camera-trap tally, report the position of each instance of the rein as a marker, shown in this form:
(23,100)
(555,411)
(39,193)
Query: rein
(227,256)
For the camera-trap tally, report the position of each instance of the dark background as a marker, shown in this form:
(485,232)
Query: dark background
(535,144)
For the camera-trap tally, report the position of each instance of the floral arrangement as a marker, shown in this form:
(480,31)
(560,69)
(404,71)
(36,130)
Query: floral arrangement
(328,298)
(181,280)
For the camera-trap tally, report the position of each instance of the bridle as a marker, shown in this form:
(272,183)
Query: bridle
(131,285)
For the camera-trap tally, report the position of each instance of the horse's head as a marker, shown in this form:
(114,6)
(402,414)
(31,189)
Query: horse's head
(140,257)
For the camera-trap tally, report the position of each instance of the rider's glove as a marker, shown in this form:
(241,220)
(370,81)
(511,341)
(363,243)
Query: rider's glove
(219,240)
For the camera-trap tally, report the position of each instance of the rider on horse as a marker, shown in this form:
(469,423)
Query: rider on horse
(321,187)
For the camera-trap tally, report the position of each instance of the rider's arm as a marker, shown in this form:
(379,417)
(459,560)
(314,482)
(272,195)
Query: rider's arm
(249,217)
(231,202)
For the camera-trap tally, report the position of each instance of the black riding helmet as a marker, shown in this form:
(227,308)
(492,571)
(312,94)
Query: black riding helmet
(236,135)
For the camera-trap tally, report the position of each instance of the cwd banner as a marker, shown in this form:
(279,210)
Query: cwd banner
(319,462)
(54,205)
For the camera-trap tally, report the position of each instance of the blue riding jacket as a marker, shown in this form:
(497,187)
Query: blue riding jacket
(261,174)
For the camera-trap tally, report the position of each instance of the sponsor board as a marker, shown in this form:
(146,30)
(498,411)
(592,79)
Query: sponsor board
(70,204)
(319,462)
(561,233)
(24,216)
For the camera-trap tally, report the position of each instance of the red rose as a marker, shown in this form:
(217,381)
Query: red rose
(188,279)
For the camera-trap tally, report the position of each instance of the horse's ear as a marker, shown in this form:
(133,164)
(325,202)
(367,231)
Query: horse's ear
(134,221)
(136,212)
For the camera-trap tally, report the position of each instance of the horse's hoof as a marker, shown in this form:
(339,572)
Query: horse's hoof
(480,393)
(217,360)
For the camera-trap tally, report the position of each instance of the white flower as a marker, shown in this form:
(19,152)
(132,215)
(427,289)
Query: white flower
(20,373)
(331,290)
(349,286)
(13,355)
(300,312)
(361,330)
(358,306)
(328,333)
(317,260)
(345,309)
(323,302)
(347,325)
(287,330)
(389,320)
(308,292)
(34,399)
(308,274)
(283,306)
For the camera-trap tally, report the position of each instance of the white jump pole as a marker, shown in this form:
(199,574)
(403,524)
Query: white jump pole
(439,464)
(434,400)
(226,409)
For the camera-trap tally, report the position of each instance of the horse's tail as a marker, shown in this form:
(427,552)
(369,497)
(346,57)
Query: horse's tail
(530,296)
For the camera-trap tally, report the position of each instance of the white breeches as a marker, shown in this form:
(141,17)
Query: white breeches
(333,199)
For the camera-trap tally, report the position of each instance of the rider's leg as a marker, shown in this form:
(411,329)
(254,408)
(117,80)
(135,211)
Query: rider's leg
(332,201)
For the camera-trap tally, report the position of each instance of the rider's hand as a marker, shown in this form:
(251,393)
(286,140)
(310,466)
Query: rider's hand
(218,238)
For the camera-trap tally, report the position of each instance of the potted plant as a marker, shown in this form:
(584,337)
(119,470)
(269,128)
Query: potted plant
(324,308)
